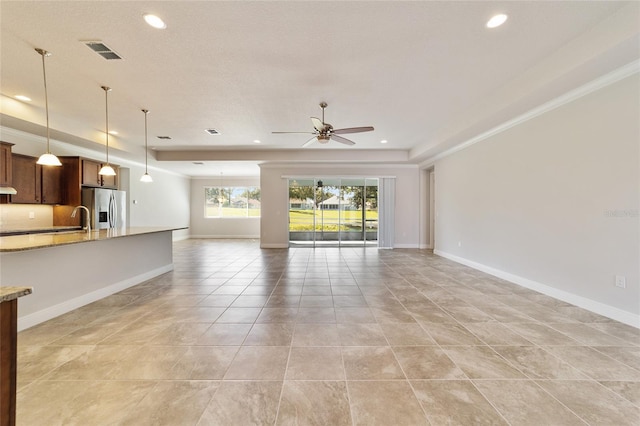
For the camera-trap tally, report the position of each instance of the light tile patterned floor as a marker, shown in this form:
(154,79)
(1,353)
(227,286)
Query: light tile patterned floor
(236,335)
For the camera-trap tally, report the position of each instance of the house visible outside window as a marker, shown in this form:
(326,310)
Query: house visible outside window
(233,201)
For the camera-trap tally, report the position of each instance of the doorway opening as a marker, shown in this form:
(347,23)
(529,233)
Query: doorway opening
(333,212)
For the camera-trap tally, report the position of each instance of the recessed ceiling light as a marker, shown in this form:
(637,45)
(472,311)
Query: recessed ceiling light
(256,141)
(155,21)
(497,20)
(383,141)
(113,132)
(23,98)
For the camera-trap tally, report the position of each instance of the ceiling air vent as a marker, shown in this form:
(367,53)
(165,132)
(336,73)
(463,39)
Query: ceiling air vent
(102,50)
(198,163)
(164,137)
(212,131)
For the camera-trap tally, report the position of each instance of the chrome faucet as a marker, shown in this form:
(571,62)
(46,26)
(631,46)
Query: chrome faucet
(88,221)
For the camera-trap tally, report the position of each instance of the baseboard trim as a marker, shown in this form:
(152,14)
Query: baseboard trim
(274,246)
(46,314)
(227,237)
(408,246)
(580,301)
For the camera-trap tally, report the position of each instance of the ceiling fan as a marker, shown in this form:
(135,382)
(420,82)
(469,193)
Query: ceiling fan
(323,132)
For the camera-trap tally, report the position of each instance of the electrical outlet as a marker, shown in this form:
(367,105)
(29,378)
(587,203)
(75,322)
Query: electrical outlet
(621,281)
(32,215)
(459,243)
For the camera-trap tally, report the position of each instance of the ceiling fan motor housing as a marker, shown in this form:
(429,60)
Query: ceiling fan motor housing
(323,138)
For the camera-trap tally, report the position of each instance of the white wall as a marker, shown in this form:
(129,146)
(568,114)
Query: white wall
(553,203)
(224,227)
(163,202)
(274,231)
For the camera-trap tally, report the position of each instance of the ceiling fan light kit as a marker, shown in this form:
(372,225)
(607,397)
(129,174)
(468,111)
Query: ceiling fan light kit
(324,132)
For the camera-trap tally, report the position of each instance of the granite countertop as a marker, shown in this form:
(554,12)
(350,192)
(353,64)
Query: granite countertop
(35,241)
(36,230)
(10,293)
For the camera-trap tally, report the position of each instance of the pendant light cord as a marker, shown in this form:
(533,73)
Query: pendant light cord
(146,171)
(106,109)
(106,112)
(146,177)
(46,96)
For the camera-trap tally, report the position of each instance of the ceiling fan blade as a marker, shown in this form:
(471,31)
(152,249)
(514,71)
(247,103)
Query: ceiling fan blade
(300,133)
(353,130)
(317,124)
(342,140)
(310,141)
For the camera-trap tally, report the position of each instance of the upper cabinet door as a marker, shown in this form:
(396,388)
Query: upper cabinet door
(51,185)
(111,181)
(90,176)
(5,164)
(26,180)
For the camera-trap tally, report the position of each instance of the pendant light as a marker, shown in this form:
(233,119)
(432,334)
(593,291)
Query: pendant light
(47,159)
(146,177)
(107,170)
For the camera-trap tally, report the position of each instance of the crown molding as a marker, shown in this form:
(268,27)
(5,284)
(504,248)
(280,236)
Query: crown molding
(597,84)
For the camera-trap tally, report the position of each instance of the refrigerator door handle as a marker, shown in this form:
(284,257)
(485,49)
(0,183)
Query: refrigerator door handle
(111,211)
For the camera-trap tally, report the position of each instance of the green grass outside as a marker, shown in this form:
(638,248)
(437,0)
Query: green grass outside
(334,220)
(302,220)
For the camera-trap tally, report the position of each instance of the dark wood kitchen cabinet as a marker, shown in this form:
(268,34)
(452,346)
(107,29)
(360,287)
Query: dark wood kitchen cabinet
(81,172)
(91,176)
(51,189)
(25,180)
(5,164)
(35,184)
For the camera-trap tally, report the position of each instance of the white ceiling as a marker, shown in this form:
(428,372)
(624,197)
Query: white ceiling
(426,75)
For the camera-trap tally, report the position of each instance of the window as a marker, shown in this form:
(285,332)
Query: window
(234,201)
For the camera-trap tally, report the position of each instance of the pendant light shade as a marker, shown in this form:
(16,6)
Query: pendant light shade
(146,177)
(107,170)
(47,159)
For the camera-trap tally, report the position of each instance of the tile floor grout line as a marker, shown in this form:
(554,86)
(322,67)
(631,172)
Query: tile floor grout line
(560,402)
(399,273)
(471,381)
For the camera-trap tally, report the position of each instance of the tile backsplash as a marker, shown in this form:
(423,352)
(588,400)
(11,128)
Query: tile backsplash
(14,216)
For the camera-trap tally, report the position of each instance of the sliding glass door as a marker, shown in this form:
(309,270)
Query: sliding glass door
(333,211)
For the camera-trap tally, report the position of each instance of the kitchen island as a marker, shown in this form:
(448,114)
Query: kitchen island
(70,270)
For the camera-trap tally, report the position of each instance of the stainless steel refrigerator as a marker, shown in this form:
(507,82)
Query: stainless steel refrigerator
(108,207)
